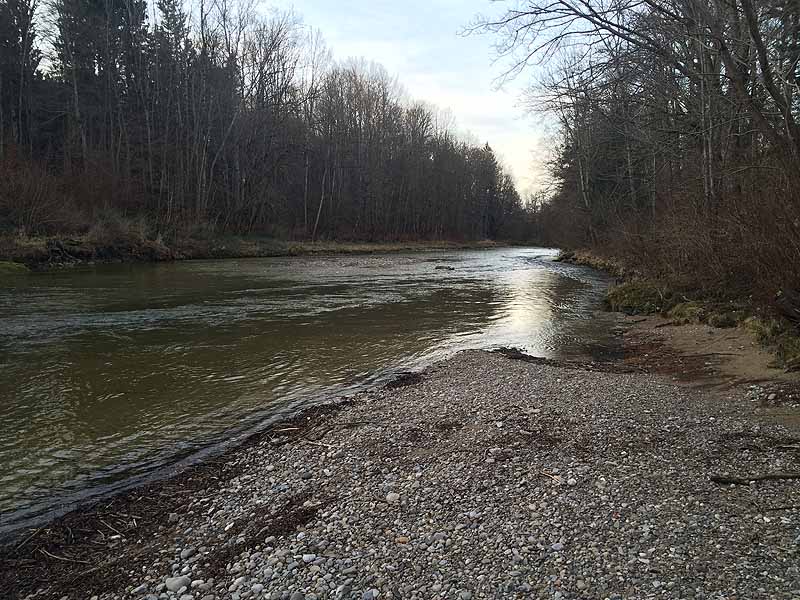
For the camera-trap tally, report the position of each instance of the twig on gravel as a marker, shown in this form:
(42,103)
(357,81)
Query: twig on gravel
(117,531)
(72,560)
(310,443)
(551,476)
(29,538)
(726,479)
(92,570)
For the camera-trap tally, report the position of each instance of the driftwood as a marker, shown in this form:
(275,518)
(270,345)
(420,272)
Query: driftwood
(731,480)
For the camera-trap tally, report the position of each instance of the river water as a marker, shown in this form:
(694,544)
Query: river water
(112,374)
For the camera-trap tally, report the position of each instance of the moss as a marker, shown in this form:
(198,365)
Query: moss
(638,298)
(687,312)
(12,268)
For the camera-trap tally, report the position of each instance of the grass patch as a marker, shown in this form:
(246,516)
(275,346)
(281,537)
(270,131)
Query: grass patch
(726,319)
(12,268)
(687,312)
(639,297)
(588,259)
(780,334)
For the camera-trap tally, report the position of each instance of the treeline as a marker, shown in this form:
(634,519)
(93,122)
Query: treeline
(212,118)
(680,144)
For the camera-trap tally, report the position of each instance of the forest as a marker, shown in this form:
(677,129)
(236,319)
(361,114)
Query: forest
(221,118)
(679,141)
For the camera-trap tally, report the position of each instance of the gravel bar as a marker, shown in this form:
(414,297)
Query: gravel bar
(492,478)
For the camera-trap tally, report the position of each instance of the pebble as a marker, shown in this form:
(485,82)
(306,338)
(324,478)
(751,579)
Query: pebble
(641,446)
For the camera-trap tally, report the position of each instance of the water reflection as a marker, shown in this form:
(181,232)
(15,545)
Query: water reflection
(113,372)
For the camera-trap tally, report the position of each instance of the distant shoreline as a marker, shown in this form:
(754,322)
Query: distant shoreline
(40,254)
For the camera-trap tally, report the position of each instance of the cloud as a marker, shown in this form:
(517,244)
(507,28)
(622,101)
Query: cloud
(421,42)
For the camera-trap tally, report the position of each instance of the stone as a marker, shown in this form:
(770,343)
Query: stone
(307,558)
(187,553)
(173,518)
(557,547)
(572,482)
(139,590)
(174,584)
(392,497)
(297,596)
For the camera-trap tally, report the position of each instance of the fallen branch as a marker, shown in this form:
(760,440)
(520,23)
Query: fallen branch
(731,480)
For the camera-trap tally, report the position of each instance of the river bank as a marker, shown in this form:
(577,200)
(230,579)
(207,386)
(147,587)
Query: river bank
(775,324)
(484,477)
(41,253)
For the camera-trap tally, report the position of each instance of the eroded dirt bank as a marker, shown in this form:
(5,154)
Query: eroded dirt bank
(487,478)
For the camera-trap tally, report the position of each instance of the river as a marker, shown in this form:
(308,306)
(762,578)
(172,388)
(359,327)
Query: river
(111,375)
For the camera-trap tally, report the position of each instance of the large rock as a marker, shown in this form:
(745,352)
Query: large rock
(176,583)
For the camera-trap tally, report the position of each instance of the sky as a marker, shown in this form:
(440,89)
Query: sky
(422,43)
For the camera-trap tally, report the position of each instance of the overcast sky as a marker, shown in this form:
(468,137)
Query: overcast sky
(420,42)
